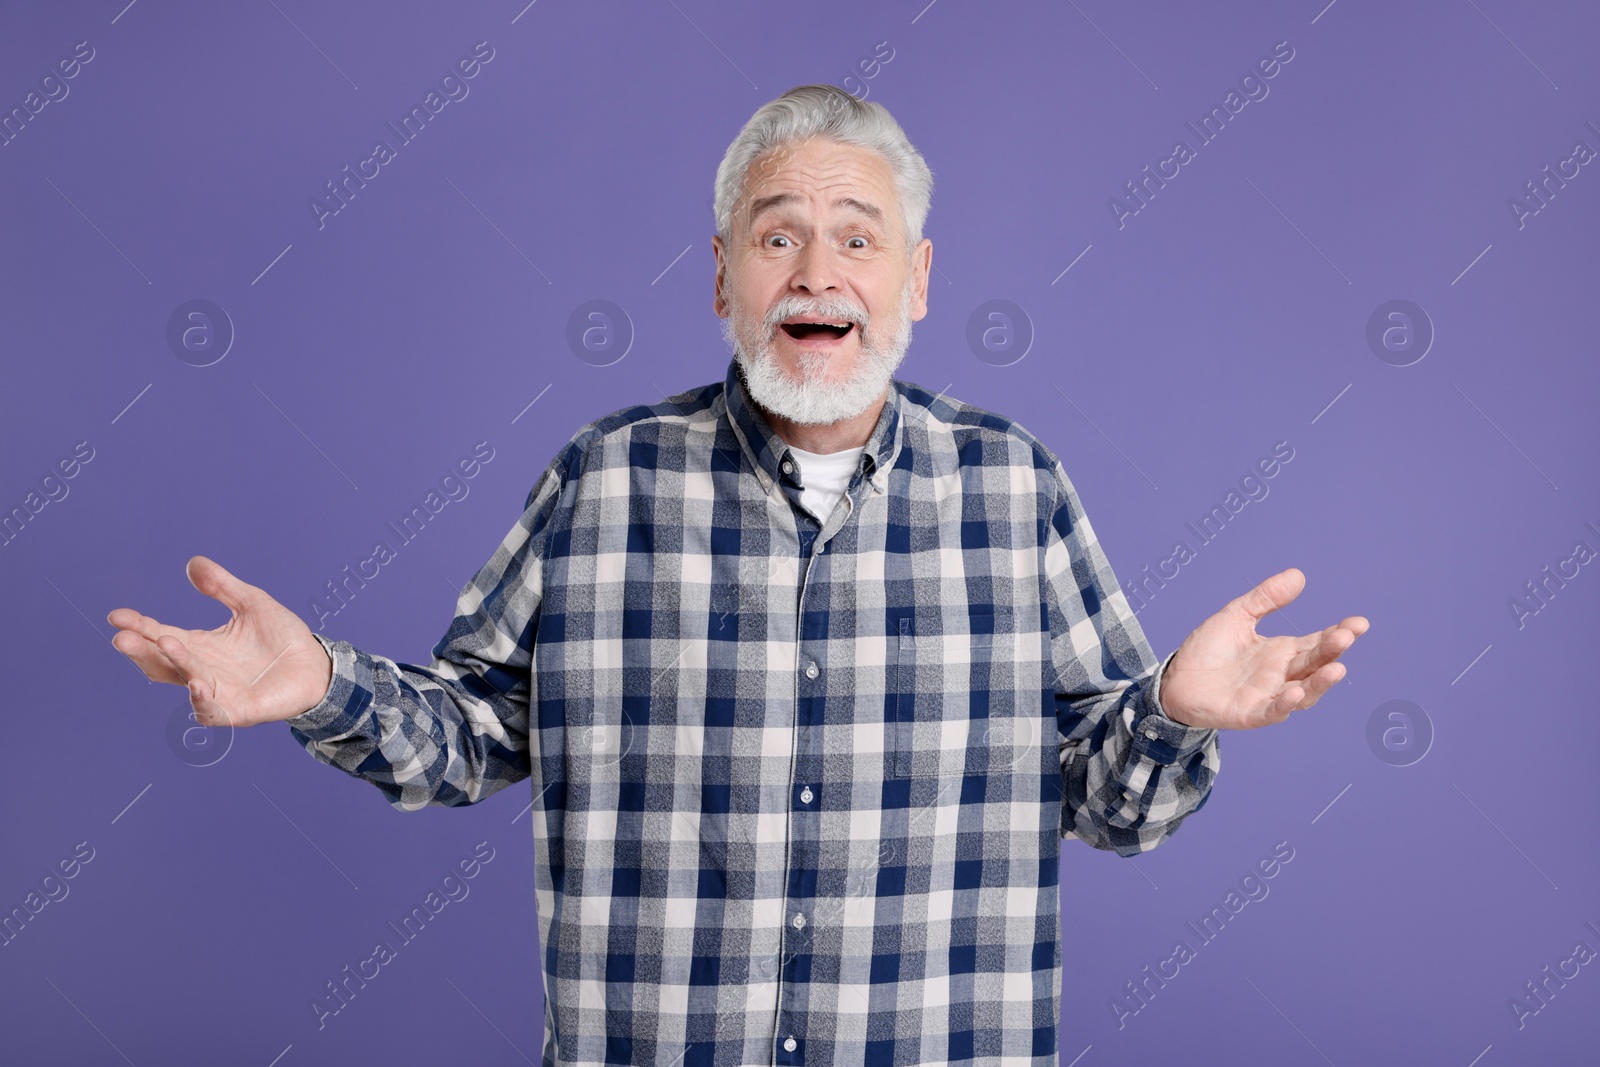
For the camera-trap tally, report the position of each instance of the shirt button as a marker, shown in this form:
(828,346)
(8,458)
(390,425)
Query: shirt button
(805,795)
(790,1044)
(811,670)
(799,921)
(788,467)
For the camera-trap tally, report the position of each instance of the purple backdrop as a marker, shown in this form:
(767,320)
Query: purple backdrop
(1382,256)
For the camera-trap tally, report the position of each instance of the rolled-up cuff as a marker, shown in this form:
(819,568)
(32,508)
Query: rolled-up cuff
(1156,736)
(344,706)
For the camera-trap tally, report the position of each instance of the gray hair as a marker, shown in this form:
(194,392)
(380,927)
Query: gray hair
(829,112)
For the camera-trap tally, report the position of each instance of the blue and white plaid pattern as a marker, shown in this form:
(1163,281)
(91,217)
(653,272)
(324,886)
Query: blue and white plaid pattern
(798,788)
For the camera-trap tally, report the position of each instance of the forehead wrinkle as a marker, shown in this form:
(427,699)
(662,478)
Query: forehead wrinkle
(830,175)
(841,168)
(856,192)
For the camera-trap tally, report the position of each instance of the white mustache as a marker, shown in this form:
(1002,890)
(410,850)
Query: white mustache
(834,310)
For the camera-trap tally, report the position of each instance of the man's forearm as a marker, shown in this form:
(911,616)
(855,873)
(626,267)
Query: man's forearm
(376,722)
(1129,786)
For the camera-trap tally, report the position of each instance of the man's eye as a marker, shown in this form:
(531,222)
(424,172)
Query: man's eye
(863,243)
(777,237)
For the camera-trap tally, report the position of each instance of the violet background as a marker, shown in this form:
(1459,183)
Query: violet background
(1189,341)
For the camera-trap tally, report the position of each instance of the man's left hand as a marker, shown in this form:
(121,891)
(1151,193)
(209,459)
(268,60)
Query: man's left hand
(1228,676)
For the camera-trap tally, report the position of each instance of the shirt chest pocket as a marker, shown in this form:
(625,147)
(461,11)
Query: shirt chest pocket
(942,688)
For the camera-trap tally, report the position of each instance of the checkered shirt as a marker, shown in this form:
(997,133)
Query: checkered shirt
(798,788)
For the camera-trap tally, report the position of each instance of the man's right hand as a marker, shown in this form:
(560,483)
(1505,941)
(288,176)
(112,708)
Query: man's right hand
(262,665)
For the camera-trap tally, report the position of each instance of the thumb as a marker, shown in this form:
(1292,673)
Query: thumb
(1272,593)
(217,582)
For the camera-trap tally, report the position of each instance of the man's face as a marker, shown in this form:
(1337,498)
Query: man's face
(815,283)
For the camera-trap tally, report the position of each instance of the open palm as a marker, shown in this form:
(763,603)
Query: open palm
(262,665)
(1226,675)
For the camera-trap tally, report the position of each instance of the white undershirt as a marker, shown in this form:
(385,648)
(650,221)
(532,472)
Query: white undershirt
(825,477)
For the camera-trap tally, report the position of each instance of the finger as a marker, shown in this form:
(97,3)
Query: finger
(1326,647)
(143,625)
(1320,682)
(179,655)
(146,656)
(1285,703)
(122,618)
(1317,651)
(1273,593)
(217,582)
(1307,693)
(201,685)
(202,698)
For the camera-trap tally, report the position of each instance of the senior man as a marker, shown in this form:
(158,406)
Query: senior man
(811,669)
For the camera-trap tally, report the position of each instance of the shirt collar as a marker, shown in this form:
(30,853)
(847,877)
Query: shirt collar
(766,450)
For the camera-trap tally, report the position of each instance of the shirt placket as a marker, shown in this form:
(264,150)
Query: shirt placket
(788,1034)
(803,819)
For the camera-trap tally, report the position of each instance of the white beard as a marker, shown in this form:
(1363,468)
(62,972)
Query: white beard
(814,400)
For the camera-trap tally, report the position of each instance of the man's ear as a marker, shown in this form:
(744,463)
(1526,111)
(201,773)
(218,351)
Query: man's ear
(921,264)
(717,303)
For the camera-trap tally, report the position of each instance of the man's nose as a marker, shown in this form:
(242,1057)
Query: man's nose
(816,269)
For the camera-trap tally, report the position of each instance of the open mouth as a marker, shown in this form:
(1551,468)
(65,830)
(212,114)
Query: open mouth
(817,331)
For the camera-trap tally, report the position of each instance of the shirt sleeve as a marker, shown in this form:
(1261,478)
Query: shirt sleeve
(1130,774)
(455,731)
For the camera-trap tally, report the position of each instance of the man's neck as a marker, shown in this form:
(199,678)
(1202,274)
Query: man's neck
(828,437)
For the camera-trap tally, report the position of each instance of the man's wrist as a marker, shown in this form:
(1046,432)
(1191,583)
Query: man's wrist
(1157,734)
(326,708)
(1156,696)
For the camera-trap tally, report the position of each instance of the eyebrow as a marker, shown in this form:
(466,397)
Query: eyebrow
(782,199)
